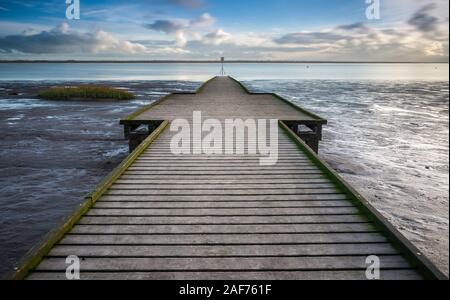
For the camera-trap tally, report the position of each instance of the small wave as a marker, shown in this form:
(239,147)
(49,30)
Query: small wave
(16,118)
(392,109)
(115,152)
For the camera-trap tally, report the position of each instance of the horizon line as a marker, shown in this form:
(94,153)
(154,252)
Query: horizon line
(218,61)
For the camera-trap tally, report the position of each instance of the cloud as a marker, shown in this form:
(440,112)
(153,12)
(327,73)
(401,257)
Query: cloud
(182,28)
(421,37)
(355,41)
(355,27)
(418,32)
(173,26)
(309,38)
(217,37)
(63,40)
(423,20)
(359,41)
(165,26)
(205,20)
(170,27)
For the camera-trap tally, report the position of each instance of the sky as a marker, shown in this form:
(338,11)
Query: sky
(307,30)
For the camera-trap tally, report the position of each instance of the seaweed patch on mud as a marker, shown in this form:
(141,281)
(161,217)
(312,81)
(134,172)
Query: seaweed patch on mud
(86,92)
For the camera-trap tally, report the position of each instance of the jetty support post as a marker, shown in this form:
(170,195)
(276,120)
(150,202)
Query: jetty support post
(309,132)
(136,132)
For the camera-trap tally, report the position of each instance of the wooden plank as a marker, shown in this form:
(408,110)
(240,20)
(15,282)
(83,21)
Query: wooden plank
(282,139)
(223,168)
(235,150)
(197,204)
(225,198)
(256,264)
(252,150)
(239,136)
(222,229)
(218,160)
(167,137)
(246,276)
(220,211)
(223,251)
(225,165)
(212,181)
(280,152)
(257,172)
(223,239)
(219,187)
(242,192)
(282,144)
(287,150)
(231,159)
(200,220)
(204,157)
(224,178)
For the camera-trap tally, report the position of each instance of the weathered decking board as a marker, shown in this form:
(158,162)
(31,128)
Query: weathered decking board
(230,275)
(163,216)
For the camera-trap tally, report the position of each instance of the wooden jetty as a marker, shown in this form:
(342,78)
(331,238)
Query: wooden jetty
(166,216)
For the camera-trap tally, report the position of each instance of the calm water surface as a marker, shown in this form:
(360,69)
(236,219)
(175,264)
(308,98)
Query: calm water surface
(204,71)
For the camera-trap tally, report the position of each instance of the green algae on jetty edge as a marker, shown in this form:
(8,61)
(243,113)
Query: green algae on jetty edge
(85,92)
